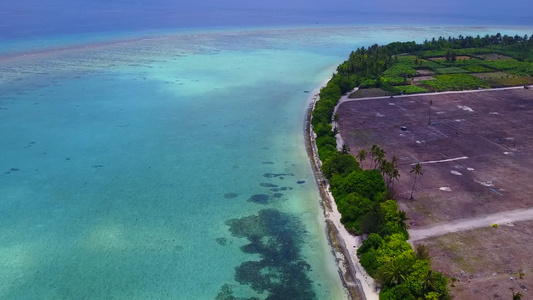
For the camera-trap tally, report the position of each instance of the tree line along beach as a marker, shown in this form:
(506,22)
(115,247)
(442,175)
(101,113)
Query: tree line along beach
(362,182)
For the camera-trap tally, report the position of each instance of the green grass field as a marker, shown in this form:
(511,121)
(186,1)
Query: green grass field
(450,70)
(409,89)
(501,79)
(454,82)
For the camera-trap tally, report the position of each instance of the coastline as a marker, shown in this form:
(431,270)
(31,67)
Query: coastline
(358,284)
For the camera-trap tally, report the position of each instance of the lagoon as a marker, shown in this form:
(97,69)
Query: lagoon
(170,165)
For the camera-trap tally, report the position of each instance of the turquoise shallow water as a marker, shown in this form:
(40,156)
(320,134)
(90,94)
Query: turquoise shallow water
(170,168)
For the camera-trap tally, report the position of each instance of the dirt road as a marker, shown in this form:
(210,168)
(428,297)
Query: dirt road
(346,98)
(501,218)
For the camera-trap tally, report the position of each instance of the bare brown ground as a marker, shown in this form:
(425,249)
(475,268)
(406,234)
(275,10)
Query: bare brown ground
(422,78)
(493,129)
(495,136)
(459,57)
(422,72)
(486,262)
(494,56)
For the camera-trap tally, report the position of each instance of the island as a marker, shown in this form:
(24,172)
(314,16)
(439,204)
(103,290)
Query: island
(422,151)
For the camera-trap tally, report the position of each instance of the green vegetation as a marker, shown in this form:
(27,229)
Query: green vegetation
(512,66)
(398,73)
(363,196)
(476,68)
(504,79)
(450,70)
(369,92)
(392,68)
(408,89)
(454,82)
(363,199)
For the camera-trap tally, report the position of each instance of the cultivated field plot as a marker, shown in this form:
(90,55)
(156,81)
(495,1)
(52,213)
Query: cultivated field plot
(485,138)
(370,92)
(504,79)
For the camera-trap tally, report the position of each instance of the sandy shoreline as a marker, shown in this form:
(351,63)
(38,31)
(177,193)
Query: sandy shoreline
(358,284)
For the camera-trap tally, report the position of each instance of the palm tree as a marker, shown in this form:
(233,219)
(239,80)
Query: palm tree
(429,283)
(389,172)
(379,157)
(422,252)
(395,175)
(345,149)
(517,296)
(373,151)
(386,171)
(336,118)
(385,168)
(394,272)
(417,169)
(394,161)
(361,155)
(392,171)
(402,220)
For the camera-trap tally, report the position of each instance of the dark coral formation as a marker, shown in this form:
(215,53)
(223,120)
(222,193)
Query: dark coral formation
(260,199)
(271,185)
(272,175)
(277,237)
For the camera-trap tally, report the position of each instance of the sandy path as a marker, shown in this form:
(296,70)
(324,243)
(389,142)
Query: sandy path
(347,258)
(352,243)
(334,124)
(501,218)
(346,99)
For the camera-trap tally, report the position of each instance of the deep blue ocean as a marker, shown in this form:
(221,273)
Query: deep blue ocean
(155,150)
(31,18)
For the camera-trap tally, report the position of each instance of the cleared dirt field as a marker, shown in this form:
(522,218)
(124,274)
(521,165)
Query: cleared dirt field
(493,129)
(442,58)
(486,262)
(424,72)
(477,159)
(422,78)
(494,56)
